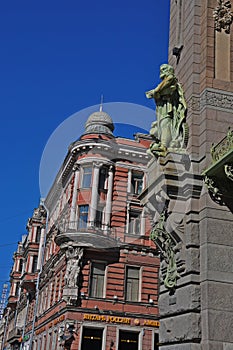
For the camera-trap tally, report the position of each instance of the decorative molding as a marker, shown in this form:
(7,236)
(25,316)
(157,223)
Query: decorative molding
(212,98)
(223,16)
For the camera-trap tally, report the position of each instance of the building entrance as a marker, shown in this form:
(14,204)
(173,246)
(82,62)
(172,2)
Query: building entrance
(92,338)
(128,340)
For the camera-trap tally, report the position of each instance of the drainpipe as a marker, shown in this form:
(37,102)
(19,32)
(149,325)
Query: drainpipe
(38,277)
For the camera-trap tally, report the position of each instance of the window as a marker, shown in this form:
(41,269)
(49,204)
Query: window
(92,338)
(134,223)
(99,217)
(34,263)
(17,289)
(87,175)
(128,340)
(136,183)
(20,265)
(38,234)
(156,341)
(132,283)
(102,179)
(83,216)
(97,280)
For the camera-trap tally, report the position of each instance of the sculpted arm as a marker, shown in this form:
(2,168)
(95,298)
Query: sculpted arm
(166,83)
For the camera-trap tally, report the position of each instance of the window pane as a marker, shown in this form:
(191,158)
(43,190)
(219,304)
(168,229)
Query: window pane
(87,175)
(137,182)
(38,234)
(102,179)
(97,280)
(132,283)
(83,216)
(134,223)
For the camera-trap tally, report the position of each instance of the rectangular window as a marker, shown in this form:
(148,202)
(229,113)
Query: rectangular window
(156,341)
(34,263)
(136,183)
(103,178)
(38,234)
(86,178)
(83,216)
(97,280)
(99,217)
(132,283)
(92,338)
(20,265)
(128,340)
(134,223)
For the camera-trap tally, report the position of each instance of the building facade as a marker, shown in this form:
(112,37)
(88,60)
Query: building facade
(86,275)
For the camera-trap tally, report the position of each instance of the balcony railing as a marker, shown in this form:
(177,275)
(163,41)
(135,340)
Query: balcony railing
(95,228)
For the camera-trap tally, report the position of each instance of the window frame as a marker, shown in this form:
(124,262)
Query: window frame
(138,268)
(134,219)
(85,177)
(34,263)
(137,182)
(84,214)
(94,295)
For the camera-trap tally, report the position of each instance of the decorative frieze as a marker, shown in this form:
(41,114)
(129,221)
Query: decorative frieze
(211,98)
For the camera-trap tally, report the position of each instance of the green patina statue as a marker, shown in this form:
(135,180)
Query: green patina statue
(170,129)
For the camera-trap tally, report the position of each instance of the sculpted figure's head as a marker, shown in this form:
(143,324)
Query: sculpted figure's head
(165,70)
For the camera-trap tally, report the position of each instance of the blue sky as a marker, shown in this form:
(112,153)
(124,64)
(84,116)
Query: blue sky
(57,58)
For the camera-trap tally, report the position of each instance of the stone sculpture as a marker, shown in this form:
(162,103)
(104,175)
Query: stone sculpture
(74,257)
(170,129)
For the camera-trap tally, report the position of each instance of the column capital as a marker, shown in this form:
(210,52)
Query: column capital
(97,165)
(76,167)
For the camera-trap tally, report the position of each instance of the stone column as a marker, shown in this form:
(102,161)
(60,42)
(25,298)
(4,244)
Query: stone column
(143,223)
(41,248)
(74,197)
(129,181)
(109,198)
(94,193)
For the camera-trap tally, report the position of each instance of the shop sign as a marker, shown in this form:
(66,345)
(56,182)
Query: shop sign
(117,319)
(51,324)
(151,323)
(108,319)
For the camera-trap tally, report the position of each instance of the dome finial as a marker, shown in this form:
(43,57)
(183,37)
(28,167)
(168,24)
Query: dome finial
(101,102)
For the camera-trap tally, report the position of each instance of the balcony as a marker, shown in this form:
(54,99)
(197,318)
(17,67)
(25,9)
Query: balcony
(14,335)
(91,236)
(219,176)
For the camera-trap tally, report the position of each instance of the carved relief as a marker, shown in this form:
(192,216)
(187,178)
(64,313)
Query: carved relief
(223,147)
(169,245)
(213,99)
(214,191)
(228,168)
(223,16)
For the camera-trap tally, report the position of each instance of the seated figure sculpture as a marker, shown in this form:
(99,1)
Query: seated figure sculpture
(170,130)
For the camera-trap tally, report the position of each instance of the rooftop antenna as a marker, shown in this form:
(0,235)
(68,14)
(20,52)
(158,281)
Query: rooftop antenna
(101,102)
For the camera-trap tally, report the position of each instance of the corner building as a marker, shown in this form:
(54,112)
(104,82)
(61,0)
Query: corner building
(90,278)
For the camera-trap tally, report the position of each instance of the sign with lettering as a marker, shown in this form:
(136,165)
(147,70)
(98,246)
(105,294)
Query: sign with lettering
(120,320)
